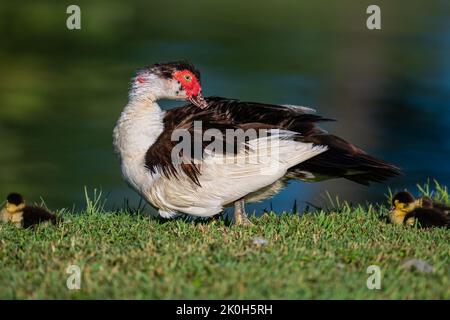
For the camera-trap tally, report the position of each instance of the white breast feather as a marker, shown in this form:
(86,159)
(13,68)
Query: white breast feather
(224,181)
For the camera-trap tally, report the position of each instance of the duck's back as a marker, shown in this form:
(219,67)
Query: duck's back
(428,217)
(35,215)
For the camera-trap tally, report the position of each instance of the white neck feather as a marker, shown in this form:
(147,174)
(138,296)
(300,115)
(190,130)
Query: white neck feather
(138,127)
(141,122)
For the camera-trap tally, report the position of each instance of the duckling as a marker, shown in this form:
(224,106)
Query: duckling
(23,216)
(13,210)
(428,213)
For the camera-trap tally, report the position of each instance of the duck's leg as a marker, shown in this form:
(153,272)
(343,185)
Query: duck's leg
(240,217)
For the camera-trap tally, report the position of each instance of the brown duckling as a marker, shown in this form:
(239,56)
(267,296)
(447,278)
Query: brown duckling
(23,216)
(428,213)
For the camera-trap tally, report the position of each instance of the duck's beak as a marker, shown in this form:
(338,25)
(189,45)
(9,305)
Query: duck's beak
(199,101)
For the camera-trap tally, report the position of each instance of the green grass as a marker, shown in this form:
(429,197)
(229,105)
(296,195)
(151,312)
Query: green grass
(321,255)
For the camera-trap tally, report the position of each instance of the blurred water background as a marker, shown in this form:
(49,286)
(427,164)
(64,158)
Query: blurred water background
(61,91)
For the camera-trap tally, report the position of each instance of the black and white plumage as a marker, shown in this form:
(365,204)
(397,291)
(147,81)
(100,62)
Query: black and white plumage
(341,159)
(204,184)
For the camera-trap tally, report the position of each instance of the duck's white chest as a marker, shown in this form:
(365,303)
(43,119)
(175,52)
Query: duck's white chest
(135,132)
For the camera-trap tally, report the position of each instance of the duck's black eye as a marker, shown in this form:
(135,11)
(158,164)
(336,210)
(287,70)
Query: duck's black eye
(187,77)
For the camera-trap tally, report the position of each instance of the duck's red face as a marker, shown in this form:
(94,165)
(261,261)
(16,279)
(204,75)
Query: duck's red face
(191,85)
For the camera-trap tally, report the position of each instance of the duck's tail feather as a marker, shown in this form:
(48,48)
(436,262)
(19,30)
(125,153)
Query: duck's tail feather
(343,160)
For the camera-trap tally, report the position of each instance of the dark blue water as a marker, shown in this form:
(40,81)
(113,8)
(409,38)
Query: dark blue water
(61,91)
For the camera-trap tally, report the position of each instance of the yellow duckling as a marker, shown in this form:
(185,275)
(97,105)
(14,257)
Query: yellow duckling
(407,210)
(23,216)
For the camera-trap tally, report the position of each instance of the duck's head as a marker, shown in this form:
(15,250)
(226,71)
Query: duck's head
(14,203)
(402,204)
(173,80)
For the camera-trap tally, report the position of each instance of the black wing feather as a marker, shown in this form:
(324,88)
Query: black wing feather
(342,159)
